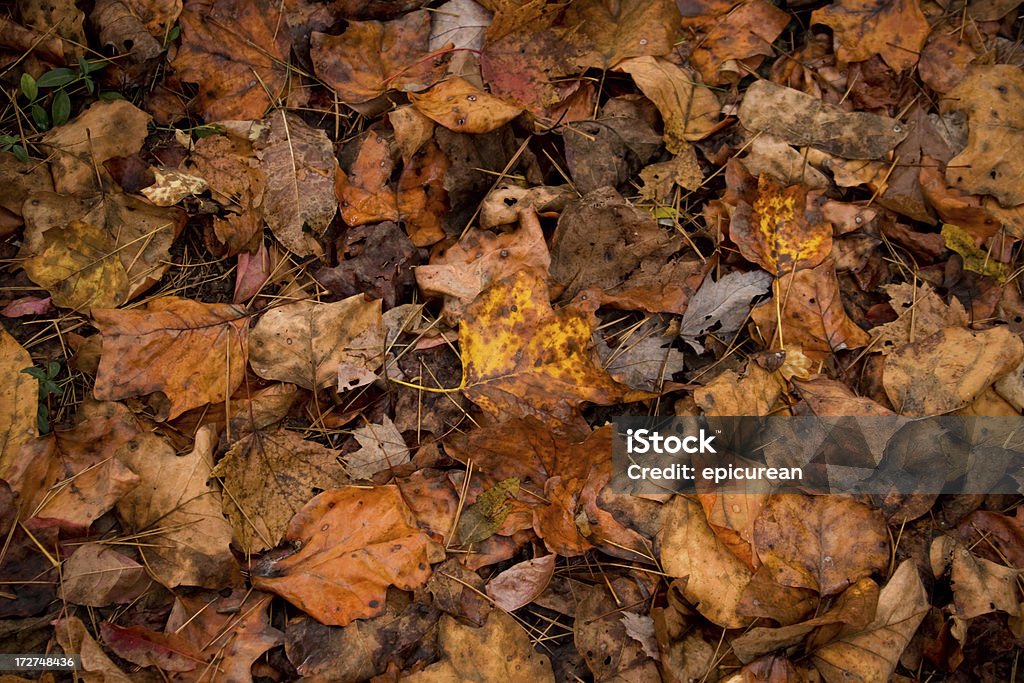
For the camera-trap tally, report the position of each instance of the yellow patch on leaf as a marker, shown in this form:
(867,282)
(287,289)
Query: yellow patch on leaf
(520,357)
(975,258)
(779,230)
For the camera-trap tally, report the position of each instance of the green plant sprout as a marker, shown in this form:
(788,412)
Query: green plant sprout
(58,81)
(47,388)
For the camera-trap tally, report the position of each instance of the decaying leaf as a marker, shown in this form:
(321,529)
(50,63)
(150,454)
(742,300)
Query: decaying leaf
(864,28)
(382,447)
(974,258)
(308,343)
(521,357)
(721,307)
(921,313)
(459,105)
(753,393)
(352,543)
(18,400)
(364,194)
(480,520)
(267,477)
(98,575)
(736,44)
(802,119)
(609,33)
(194,353)
(520,584)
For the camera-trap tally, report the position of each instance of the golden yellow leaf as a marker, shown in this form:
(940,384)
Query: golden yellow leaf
(18,395)
(459,105)
(80,268)
(975,258)
(520,357)
(779,230)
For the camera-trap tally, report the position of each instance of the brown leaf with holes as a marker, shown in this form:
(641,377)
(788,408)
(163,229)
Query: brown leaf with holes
(352,543)
(863,28)
(364,193)
(459,105)
(238,54)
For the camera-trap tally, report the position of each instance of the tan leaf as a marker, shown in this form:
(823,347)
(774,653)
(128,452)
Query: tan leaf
(382,448)
(744,35)
(824,543)
(300,168)
(307,342)
(921,313)
(180,513)
(352,544)
(754,393)
(80,268)
(481,258)
(812,314)
(992,97)
(872,654)
(79,148)
(19,396)
(689,109)
(460,106)
(267,478)
(863,28)
(981,586)
(238,54)
(801,119)
(609,32)
(715,578)
(520,357)
(97,575)
(949,369)
(520,584)
(193,352)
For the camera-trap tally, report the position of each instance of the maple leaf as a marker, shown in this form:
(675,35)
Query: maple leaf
(864,28)
(521,357)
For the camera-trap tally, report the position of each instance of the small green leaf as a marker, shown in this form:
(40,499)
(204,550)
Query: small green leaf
(20,153)
(61,108)
(172,36)
(43,416)
(28,87)
(90,85)
(95,65)
(39,115)
(38,373)
(207,131)
(52,369)
(54,78)
(110,96)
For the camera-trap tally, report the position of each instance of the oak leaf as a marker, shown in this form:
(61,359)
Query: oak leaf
(193,352)
(352,543)
(520,357)
(307,343)
(863,28)
(238,54)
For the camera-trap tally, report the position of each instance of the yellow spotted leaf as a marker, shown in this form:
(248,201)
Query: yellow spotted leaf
(80,267)
(779,229)
(975,259)
(520,357)
(459,105)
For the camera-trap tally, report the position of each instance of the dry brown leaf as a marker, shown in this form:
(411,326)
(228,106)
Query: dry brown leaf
(460,106)
(180,513)
(499,651)
(601,636)
(715,578)
(382,447)
(981,586)
(299,164)
(79,148)
(238,54)
(267,478)
(863,28)
(352,543)
(607,33)
(364,194)
(801,119)
(520,584)
(872,654)
(754,393)
(481,258)
(689,109)
(824,543)
(735,44)
(520,357)
(659,179)
(372,57)
(97,575)
(73,637)
(993,99)
(767,155)
(412,130)
(503,204)
(19,396)
(813,316)
(308,343)
(949,369)
(194,353)
(422,199)
(921,313)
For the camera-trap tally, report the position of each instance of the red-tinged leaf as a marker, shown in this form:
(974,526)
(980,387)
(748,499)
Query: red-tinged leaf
(520,584)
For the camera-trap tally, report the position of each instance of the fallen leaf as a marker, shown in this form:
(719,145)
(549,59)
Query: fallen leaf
(300,168)
(308,342)
(499,651)
(689,109)
(601,637)
(382,448)
(459,105)
(921,313)
(488,513)
(194,353)
(611,149)
(520,584)
(19,397)
(179,512)
(80,268)
(103,131)
(609,33)
(721,307)
(642,357)
(352,543)
(97,576)
(422,199)
(459,23)
(754,393)
(990,96)
(659,179)
(872,654)
(947,370)
(121,30)
(973,258)
(371,57)
(520,357)
(780,229)
(378,261)
(238,54)
(736,44)
(171,186)
(412,129)
(862,28)
(364,193)
(768,155)
(812,314)
(72,636)
(801,119)
(147,648)
(715,578)
(480,259)
(981,586)
(267,477)
(820,542)
(503,204)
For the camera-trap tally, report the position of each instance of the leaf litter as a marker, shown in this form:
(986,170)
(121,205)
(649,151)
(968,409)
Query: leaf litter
(326,307)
